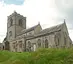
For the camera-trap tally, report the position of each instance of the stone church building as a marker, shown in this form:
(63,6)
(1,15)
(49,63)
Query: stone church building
(19,38)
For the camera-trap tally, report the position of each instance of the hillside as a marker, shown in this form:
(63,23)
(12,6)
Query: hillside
(41,56)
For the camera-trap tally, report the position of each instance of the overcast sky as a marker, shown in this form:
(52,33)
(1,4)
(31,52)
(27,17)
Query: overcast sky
(47,12)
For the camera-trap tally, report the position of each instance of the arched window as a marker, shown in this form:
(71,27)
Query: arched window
(20,22)
(7,47)
(39,43)
(3,48)
(29,46)
(11,22)
(14,45)
(20,44)
(46,43)
(57,40)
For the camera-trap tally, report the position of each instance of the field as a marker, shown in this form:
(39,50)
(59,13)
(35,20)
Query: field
(41,56)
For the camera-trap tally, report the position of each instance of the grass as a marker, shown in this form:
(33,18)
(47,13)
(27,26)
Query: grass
(41,56)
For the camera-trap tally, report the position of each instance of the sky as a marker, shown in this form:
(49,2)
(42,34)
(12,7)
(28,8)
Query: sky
(46,12)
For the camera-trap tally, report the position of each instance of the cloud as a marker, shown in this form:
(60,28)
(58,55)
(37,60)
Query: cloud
(66,9)
(43,11)
(16,2)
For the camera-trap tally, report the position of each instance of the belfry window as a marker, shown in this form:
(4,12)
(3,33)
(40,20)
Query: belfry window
(20,22)
(11,22)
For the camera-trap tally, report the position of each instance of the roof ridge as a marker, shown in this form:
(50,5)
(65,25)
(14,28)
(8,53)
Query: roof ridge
(54,26)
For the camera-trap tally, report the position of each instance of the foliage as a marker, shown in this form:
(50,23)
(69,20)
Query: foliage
(41,56)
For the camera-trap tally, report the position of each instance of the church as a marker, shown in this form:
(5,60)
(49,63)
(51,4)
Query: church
(21,39)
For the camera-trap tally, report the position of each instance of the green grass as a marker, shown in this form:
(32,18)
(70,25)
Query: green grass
(41,56)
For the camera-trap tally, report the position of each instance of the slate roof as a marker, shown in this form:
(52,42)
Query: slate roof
(52,29)
(43,32)
(29,29)
(48,30)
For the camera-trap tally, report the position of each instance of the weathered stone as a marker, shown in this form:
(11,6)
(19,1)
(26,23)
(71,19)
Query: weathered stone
(22,39)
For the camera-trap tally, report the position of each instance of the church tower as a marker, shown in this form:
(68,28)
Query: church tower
(16,23)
